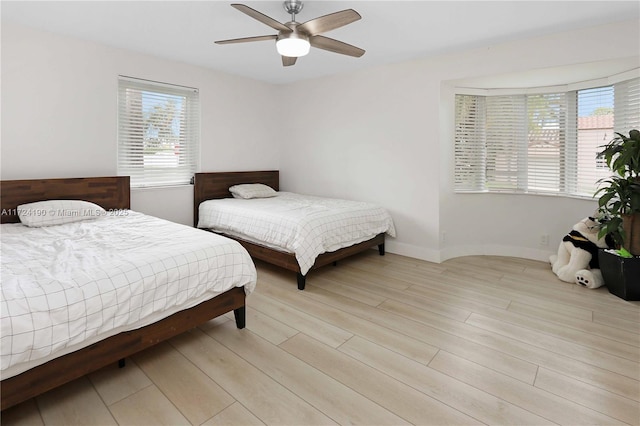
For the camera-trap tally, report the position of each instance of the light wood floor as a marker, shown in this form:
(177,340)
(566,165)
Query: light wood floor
(382,340)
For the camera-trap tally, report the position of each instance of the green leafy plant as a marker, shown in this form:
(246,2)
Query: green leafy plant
(619,199)
(622,154)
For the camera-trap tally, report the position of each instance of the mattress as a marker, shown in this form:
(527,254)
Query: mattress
(300,224)
(68,286)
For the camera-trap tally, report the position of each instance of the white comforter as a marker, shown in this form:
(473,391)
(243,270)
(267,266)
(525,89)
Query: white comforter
(301,224)
(67,286)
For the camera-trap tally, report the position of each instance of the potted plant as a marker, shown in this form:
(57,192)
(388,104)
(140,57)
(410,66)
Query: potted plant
(619,203)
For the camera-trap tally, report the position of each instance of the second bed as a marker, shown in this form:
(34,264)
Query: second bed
(293,231)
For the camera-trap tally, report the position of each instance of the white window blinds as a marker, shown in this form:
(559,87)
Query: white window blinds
(158,132)
(545,154)
(542,143)
(594,129)
(627,106)
(506,118)
(470,145)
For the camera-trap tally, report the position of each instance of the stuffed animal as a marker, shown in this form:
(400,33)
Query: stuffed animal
(577,258)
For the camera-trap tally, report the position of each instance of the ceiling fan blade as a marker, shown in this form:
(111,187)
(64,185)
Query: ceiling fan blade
(261,17)
(247,39)
(287,61)
(329,22)
(335,46)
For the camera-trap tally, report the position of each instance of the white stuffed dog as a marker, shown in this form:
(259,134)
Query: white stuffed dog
(577,258)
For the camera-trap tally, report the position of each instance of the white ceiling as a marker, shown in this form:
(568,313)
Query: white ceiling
(389,31)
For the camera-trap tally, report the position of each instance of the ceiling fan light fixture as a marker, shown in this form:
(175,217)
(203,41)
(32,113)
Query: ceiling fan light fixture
(294,39)
(293,45)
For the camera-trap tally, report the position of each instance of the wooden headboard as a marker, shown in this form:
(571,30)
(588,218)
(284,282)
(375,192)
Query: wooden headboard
(209,186)
(109,192)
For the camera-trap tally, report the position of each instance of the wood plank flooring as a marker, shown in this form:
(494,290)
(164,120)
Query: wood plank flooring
(382,341)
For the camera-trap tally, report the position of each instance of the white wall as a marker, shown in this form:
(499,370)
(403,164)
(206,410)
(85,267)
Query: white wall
(385,135)
(368,136)
(382,135)
(59,118)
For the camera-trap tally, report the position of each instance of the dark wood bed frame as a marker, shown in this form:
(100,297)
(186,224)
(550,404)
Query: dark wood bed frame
(208,186)
(110,193)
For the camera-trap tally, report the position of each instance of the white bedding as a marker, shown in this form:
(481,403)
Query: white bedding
(65,287)
(301,224)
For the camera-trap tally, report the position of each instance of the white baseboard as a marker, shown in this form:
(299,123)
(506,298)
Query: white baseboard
(439,256)
(496,250)
(412,251)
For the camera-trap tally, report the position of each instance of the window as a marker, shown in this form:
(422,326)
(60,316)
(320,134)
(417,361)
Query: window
(158,132)
(540,141)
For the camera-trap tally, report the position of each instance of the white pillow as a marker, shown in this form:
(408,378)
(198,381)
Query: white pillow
(252,190)
(57,212)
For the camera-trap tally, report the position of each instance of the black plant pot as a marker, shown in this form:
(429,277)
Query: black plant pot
(621,275)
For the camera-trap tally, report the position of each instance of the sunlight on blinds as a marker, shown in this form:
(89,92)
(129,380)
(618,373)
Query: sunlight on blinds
(540,143)
(595,129)
(158,132)
(470,139)
(546,122)
(627,106)
(505,127)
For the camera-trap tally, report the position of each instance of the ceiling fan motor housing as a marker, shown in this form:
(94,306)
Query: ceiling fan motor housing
(291,35)
(294,32)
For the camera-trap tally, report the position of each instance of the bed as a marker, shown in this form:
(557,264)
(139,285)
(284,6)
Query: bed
(215,186)
(186,279)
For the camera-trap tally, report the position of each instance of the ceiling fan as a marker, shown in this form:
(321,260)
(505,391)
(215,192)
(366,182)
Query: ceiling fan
(294,39)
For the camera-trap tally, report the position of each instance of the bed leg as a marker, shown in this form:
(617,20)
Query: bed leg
(121,363)
(381,249)
(240,316)
(301,281)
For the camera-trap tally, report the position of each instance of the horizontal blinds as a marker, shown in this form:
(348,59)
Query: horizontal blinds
(506,118)
(627,106)
(158,132)
(594,129)
(540,143)
(470,137)
(545,153)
